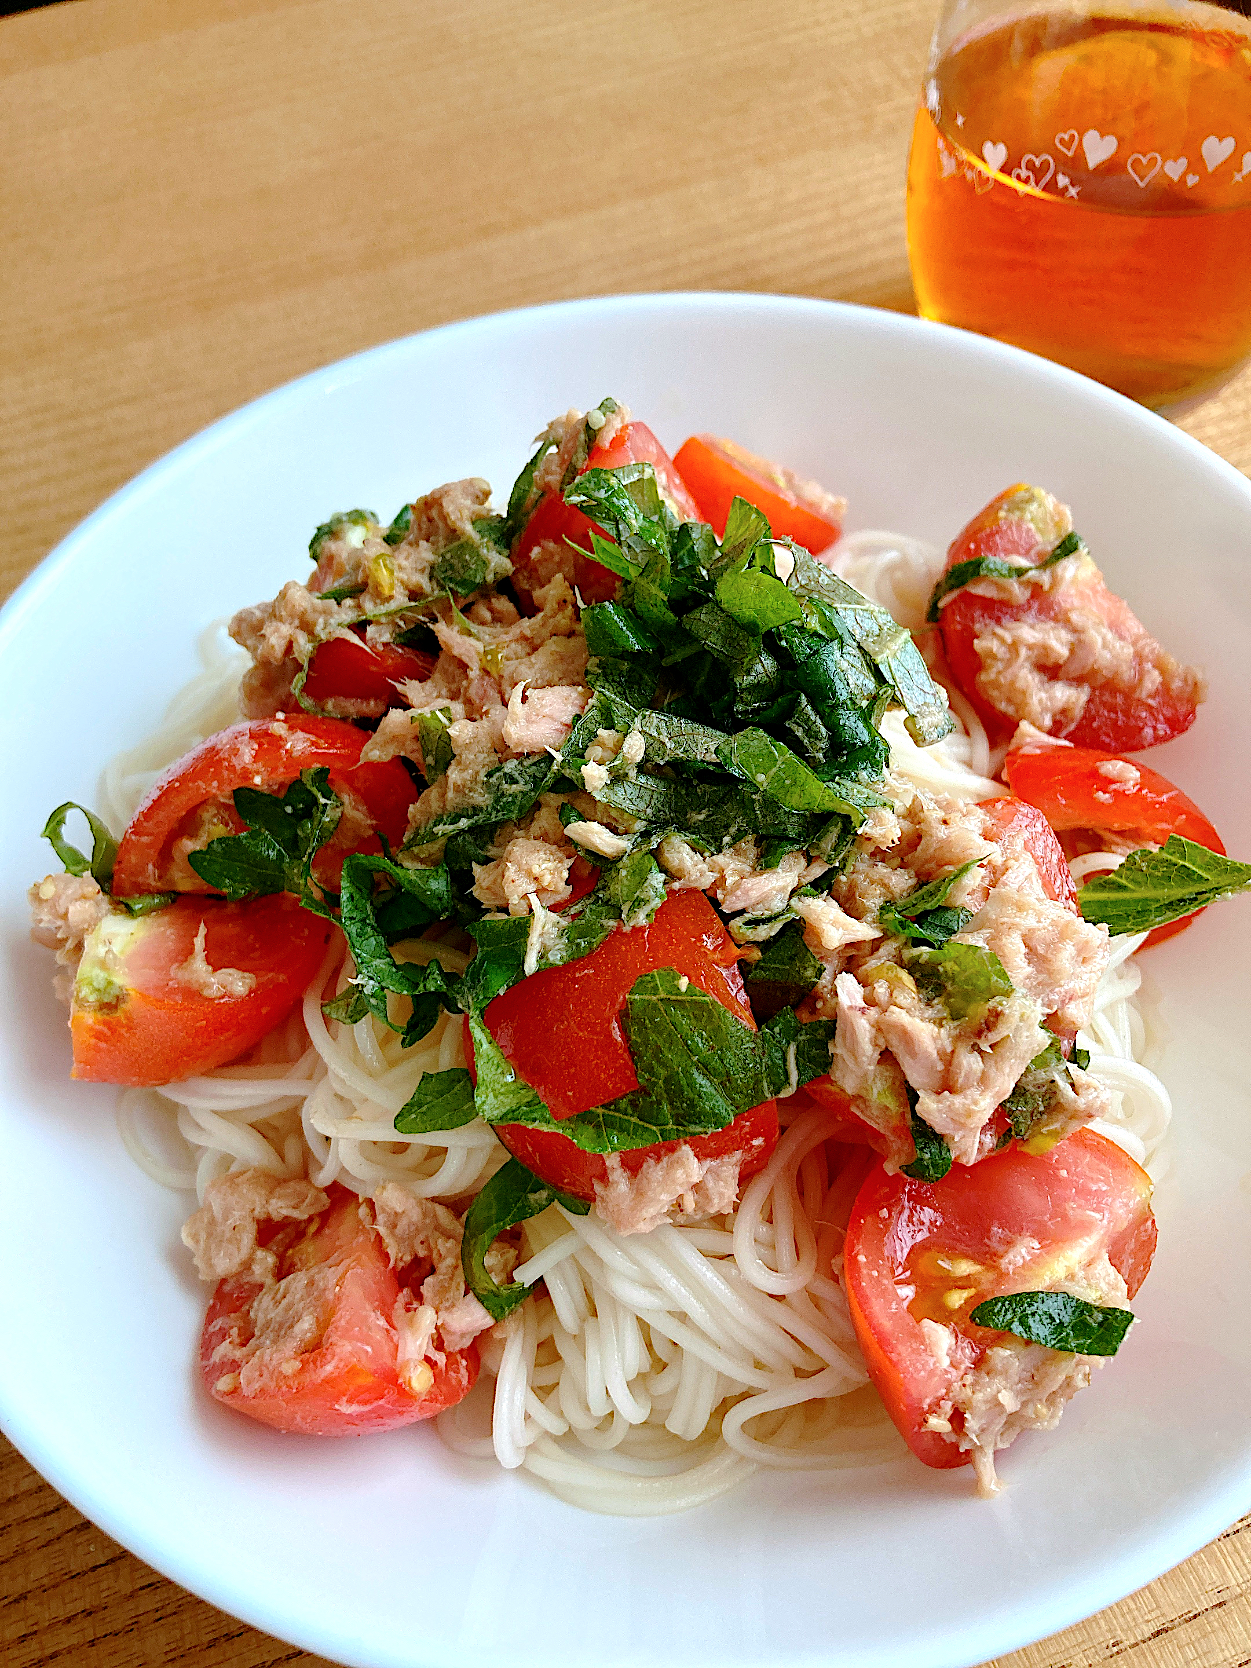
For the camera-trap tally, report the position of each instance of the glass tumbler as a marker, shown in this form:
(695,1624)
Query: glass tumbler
(1080,185)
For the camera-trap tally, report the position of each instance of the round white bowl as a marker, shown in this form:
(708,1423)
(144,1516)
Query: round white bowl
(390,1552)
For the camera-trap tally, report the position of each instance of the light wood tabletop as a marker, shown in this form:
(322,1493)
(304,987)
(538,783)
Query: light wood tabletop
(204,199)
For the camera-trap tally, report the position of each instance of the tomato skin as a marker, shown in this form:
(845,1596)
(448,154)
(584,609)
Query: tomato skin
(1015,815)
(268,753)
(351,669)
(1025,522)
(898,1225)
(894,1143)
(718,471)
(554,521)
(162,1029)
(348,1384)
(1068,787)
(561,1029)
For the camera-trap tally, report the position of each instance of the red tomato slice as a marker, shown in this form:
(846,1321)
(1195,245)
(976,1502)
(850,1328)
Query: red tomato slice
(913,1245)
(554,521)
(1009,815)
(350,669)
(1026,522)
(135,1019)
(719,471)
(345,1380)
(1073,790)
(892,1139)
(561,1029)
(191,803)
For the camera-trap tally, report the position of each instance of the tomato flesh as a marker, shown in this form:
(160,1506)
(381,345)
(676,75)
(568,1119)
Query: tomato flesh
(1024,522)
(266,753)
(348,1382)
(135,1020)
(561,1029)
(1073,791)
(718,471)
(914,1247)
(348,668)
(1016,816)
(556,522)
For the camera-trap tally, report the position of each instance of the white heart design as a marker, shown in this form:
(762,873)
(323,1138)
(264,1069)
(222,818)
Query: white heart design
(1062,180)
(1246,162)
(1067,142)
(1032,170)
(994,155)
(1192,179)
(1143,169)
(1215,150)
(1175,167)
(1097,146)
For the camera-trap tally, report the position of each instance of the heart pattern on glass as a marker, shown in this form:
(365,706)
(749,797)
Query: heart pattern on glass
(1215,151)
(1192,179)
(994,155)
(1034,170)
(1066,142)
(1142,169)
(1175,167)
(1097,146)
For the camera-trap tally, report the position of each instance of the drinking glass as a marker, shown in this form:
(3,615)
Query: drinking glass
(1080,184)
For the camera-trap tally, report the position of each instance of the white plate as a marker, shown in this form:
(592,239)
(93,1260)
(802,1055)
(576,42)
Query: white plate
(389,1550)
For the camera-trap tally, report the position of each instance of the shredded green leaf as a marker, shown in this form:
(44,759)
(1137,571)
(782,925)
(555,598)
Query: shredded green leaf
(997,567)
(513,1194)
(103,845)
(1057,1321)
(1152,888)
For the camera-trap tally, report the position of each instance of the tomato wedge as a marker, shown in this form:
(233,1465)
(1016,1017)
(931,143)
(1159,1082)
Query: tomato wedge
(561,1029)
(145,1007)
(348,668)
(327,1364)
(554,521)
(920,1252)
(1009,815)
(190,804)
(1079,789)
(718,471)
(1071,658)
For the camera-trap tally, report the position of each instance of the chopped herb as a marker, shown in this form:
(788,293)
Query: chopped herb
(103,845)
(996,567)
(636,888)
(340,593)
(331,529)
(922,917)
(1152,888)
(810,1043)
(965,978)
(284,833)
(933,1158)
(1057,1321)
(441,1100)
(436,744)
(398,530)
(786,971)
(513,1194)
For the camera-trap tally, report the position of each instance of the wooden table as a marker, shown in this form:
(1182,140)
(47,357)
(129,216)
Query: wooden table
(204,199)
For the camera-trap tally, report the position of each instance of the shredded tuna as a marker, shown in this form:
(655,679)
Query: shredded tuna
(419,1230)
(221,1235)
(527,869)
(595,837)
(542,720)
(678,1181)
(64,909)
(217,983)
(828,928)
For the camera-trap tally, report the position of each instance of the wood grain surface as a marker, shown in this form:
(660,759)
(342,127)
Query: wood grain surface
(204,198)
